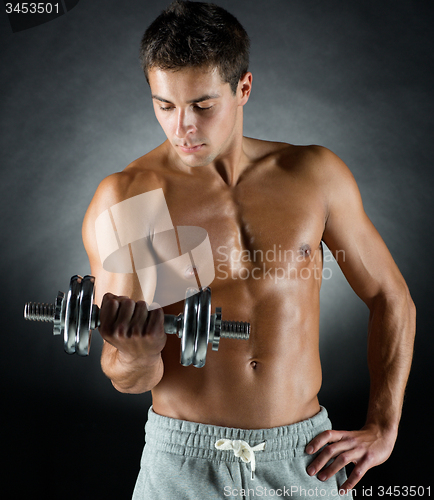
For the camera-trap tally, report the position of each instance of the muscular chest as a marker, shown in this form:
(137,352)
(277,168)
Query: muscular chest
(266,219)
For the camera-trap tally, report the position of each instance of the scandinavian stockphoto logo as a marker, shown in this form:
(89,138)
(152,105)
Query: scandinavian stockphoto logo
(137,235)
(275,263)
(25,15)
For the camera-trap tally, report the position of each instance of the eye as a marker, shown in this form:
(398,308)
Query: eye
(203,109)
(166,109)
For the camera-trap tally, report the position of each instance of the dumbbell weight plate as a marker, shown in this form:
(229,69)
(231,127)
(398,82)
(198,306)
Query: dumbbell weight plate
(189,326)
(203,326)
(216,328)
(71,315)
(85,302)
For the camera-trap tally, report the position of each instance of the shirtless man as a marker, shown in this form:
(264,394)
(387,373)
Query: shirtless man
(249,195)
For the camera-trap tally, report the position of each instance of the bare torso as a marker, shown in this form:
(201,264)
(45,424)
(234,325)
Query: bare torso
(265,233)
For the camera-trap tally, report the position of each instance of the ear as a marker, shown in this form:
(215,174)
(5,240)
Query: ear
(244,88)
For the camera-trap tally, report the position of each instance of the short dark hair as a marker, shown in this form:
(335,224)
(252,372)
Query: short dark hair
(196,34)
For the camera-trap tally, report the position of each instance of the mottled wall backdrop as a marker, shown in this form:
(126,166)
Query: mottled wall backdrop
(355,76)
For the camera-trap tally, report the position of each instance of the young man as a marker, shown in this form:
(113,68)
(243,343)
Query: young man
(253,408)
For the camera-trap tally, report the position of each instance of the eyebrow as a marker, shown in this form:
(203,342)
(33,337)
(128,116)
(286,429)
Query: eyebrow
(201,99)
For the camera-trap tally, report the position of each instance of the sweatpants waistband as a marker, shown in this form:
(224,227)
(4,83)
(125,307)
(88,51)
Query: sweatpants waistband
(193,439)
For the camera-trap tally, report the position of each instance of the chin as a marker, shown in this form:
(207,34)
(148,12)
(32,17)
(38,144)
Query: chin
(196,162)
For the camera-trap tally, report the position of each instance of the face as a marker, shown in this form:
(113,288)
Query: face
(198,112)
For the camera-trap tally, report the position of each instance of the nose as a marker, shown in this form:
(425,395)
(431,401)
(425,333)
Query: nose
(185,124)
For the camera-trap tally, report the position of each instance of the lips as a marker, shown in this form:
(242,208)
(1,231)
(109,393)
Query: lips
(191,149)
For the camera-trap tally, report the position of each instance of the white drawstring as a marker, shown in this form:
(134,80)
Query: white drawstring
(241,449)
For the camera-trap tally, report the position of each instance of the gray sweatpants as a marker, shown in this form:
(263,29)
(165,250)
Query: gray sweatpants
(180,461)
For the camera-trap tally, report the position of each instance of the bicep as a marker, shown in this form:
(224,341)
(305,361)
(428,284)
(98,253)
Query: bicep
(354,241)
(97,246)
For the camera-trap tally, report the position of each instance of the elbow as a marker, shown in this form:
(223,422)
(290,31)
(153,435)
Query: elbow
(411,304)
(119,387)
(412,309)
(140,386)
(407,303)
(125,389)
(137,384)
(396,298)
(124,384)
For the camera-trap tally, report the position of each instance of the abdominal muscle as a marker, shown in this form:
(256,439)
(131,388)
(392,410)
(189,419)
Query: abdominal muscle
(268,381)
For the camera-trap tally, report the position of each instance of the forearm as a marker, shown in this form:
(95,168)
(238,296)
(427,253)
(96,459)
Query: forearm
(390,350)
(128,375)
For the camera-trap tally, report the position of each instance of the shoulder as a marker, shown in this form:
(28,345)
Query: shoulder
(327,165)
(312,160)
(318,166)
(312,164)
(140,176)
(322,172)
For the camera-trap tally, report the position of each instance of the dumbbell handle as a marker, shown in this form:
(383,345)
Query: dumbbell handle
(172,323)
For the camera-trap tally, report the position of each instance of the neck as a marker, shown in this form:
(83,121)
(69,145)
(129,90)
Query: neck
(230,164)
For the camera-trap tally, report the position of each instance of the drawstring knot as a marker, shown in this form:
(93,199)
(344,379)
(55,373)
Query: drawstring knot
(241,449)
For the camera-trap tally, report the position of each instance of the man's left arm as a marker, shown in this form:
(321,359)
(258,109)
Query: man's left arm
(372,273)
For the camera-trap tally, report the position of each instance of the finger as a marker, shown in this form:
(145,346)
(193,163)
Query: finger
(155,319)
(125,313)
(356,475)
(339,463)
(139,318)
(121,298)
(109,309)
(331,451)
(322,439)
(111,302)
(108,297)
(155,329)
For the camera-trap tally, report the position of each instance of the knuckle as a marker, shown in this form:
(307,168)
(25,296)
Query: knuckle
(127,303)
(327,452)
(369,457)
(358,472)
(108,300)
(332,448)
(141,305)
(328,434)
(110,307)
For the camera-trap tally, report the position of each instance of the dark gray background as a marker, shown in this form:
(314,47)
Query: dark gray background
(355,76)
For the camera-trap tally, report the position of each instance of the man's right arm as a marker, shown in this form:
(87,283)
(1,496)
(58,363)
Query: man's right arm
(133,336)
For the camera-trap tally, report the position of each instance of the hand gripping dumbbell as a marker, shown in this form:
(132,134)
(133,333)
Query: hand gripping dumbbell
(76,316)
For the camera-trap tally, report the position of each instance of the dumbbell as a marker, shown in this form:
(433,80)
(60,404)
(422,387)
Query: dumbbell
(75,315)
